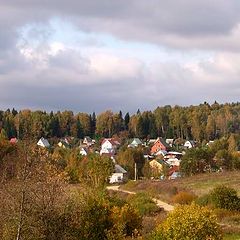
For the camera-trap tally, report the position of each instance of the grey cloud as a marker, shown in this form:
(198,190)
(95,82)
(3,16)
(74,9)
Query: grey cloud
(160,84)
(68,80)
(139,20)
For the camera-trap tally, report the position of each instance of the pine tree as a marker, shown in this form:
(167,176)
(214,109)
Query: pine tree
(126,120)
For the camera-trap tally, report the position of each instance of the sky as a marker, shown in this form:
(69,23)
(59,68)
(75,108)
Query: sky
(96,55)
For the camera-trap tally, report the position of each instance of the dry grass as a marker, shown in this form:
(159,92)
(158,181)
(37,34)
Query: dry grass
(199,184)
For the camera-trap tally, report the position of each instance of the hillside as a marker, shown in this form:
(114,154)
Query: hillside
(197,184)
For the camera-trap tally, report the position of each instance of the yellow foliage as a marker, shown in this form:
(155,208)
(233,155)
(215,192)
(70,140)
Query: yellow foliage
(189,222)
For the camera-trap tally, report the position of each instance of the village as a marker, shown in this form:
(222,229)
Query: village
(158,153)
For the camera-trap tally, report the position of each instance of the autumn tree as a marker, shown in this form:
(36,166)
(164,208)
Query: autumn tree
(189,222)
(128,158)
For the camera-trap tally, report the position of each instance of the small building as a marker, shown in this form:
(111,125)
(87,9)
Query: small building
(170,141)
(189,144)
(173,154)
(210,143)
(151,141)
(42,142)
(174,175)
(157,167)
(63,143)
(161,153)
(158,164)
(174,172)
(83,151)
(109,146)
(159,144)
(135,143)
(13,140)
(173,161)
(119,175)
(88,141)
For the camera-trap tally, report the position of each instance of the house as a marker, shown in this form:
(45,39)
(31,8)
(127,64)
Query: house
(88,141)
(161,153)
(174,175)
(109,146)
(63,143)
(148,157)
(172,154)
(157,164)
(159,144)
(170,141)
(210,143)
(13,140)
(83,151)
(135,143)
(151,141)
(43,142)
(173,161)
(157,167)
(174,172)
(189,144)
(119,175)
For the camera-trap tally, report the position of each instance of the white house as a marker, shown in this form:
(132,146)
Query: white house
(189,144)
(170,141)
(109,146)
(88,141)
(119,175)
(151,141)
(135,143)
(43,142)
(173,161)
(173,154)
(83,151)
(210,143)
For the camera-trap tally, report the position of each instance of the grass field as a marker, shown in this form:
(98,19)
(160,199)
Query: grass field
(231,237)
(198,184)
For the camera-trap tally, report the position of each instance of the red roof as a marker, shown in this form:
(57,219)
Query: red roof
(13,140)
(173,169)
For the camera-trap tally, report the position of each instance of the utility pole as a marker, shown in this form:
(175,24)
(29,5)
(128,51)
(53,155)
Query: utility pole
(135,171)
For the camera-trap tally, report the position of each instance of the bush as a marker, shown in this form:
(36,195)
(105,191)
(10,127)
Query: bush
(225,197)
(183,198)
(189,222)
(143,203)
(126,219)
(204,200)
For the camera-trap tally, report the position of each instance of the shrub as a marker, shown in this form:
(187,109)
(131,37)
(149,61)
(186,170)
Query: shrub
(183,198)
(204,200)
(225,197)
(189,222)
(127,219)
(143,203)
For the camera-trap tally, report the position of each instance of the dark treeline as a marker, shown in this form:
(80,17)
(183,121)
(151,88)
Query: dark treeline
(200,122)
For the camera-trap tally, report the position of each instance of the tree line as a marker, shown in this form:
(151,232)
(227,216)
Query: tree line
(202,122)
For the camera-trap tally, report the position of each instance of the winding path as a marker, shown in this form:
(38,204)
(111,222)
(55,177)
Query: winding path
(167,207)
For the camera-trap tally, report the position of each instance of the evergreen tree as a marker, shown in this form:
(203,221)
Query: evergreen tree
(79,129)
(93,124)
(126,120)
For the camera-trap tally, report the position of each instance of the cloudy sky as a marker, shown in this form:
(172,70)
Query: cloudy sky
(96,55)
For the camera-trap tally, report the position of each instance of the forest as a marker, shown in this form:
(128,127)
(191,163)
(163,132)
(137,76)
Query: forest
(60,194)
(202,122)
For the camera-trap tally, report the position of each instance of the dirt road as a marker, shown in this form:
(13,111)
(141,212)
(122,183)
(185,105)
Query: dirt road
(167,207)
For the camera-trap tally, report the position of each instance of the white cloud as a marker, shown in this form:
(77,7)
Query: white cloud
(48,64)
